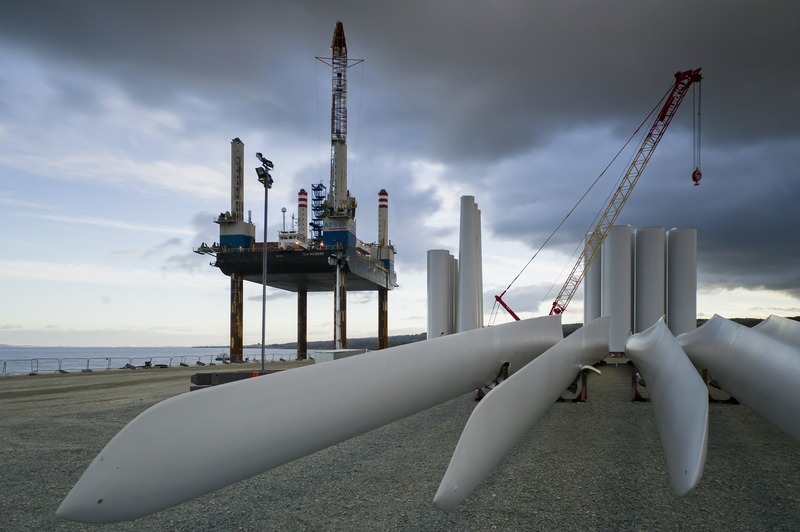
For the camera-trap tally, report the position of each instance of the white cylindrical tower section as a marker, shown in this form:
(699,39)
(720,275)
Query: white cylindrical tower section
(339,177)
(592,282)
(302,214)
(650,277)
(681,280)
(616,289)
(439,293)
(470,284)
(237,179)
(453,293)
(383,219)
(633,280)
(478,258)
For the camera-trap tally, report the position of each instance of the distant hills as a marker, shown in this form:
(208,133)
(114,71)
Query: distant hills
(372,342)
(748,322)
(355,343)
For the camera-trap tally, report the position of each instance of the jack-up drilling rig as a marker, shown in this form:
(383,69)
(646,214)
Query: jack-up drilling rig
(332,257)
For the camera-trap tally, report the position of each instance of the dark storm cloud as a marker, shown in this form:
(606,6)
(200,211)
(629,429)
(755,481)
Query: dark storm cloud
(483,80)
(187,260)
(161,247)
(479,87)
(273,295)
(496,78)
(745,211)
(408,211)
(533,298)
(159,53)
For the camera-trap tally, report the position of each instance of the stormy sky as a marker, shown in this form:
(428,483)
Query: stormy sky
(116,120)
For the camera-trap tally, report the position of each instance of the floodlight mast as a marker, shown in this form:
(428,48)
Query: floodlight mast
(266,162)
(265,179)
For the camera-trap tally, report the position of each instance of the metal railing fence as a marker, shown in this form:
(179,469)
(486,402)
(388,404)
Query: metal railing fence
(34,366)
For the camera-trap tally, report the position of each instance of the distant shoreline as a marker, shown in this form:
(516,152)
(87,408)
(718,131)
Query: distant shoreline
(363,343)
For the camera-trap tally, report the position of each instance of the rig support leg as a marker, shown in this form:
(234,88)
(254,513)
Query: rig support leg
(383,318)
(237,313)
(302,325)
(340,312)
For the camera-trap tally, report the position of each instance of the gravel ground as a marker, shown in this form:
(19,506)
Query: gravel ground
(591,466)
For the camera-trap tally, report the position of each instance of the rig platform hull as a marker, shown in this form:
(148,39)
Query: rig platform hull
(306,270)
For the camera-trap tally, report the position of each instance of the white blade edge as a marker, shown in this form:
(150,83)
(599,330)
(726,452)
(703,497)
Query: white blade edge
(780,328)
(151,464)
(510,410)
(760,371)
(679,398)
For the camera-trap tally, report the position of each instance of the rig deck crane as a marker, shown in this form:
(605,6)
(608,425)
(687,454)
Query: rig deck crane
(683,80)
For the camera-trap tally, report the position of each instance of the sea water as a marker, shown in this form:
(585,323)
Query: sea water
(23,360)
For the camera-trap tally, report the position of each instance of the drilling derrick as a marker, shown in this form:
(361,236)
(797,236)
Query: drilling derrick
(340,207)
(337,199)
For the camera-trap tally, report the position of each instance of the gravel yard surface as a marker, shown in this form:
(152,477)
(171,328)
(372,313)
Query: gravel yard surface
(591,466)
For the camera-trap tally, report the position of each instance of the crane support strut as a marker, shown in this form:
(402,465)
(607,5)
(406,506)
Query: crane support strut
(499,299)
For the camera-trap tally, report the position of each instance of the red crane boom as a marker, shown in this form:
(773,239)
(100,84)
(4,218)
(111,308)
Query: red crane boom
(683,80)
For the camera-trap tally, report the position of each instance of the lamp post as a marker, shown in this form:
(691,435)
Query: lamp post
(265,179)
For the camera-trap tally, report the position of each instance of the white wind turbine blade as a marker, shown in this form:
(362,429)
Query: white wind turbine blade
(152,463)
(510,410)
(760,371)
(780,328)
(679,398)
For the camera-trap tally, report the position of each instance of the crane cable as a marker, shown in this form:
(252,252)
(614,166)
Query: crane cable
(494,312)
(697,96)
(352,169)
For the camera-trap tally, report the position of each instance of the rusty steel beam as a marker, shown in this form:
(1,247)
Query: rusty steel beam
(383,318)
(237,315)
(342,317)
(302,325)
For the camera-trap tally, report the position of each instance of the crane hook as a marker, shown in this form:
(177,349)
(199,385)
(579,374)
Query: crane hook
(697,95)
(697,175)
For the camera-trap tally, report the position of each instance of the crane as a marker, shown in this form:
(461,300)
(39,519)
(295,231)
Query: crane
(683,80)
